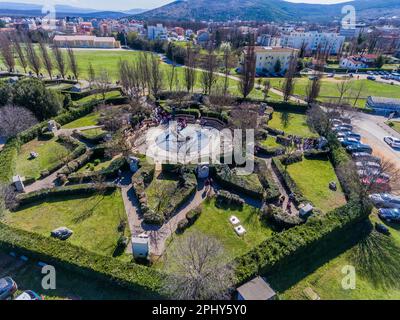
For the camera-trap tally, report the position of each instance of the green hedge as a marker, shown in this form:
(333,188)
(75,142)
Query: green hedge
(227,179)
(109,173)
(83,94)
(285,246)
(272,192)
(8,160)
(146,282)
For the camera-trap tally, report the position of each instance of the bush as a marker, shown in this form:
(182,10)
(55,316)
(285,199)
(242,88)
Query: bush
(227,199)
(272,192)
(193,215)
(182,225)
(47,135)
(152,217)
(280,218)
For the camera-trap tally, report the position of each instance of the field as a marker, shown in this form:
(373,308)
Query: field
(50,153)
(329,89)
(313,177)
(93,133)
(375,257)
(69,285)
(291,123)
(394,125)
(270,142)
(160,192)
(214,222)
(94,220)
(86,121)
(104,163)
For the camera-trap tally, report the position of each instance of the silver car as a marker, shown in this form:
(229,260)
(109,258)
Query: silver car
(385,200)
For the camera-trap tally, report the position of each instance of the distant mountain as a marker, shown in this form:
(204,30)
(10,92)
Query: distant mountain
(267,10)
(26,9)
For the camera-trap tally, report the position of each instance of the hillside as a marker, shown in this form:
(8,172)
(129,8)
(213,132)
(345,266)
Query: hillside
(267,10)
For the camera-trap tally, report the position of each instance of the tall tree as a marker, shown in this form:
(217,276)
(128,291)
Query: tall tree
(91,75)
(190,70)
(73,63)
(130,81)
(20,52)
(156,76)
(247,78)
(343,88)
(313,88)
(103,83)
(14,119)
(209,76)
(227,52)
(61,64)
(289,82)
(6,49)
(47,62)
(33,58)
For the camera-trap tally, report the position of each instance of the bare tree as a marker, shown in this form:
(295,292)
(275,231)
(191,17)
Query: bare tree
(313,88)
(266,88)
(247,78)
(129,75)
(227,53)
(343,88)
(156,76)
(6,49)
(47,62)
(14,119)
(20,52)
(360,89)
(288,84)
(171,75)
(190,70)
(8,199)
(32,57)
(209,76)
(91,75)
(61,64)
(197,270)
(73,63)
(103,83)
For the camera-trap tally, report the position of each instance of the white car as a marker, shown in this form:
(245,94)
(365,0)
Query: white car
(392,141)
(385,200)
(368,164)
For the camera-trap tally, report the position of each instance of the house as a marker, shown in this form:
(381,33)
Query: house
(267,58)
(81,41)
(256,289)
(360,61)
(383,105)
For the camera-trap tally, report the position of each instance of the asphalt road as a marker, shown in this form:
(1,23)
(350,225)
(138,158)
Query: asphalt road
(372,130)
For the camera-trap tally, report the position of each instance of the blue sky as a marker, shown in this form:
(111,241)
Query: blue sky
(129,4)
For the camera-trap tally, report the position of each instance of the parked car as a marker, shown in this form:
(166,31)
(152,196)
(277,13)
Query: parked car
(363,156)
(7,288)
(348,134)
(382,229)
(348,141)
(392,141)
(385,200)
(62,233)
(390,215)
(372,78)
(29,295)
(340,129)
(368,164)
(359,148)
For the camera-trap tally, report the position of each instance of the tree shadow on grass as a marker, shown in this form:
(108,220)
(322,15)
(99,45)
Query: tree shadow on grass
(86,214)
(285,119)
(377,258)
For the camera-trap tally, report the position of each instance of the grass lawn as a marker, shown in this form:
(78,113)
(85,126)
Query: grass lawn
(375,257)
(93,133)
(329,89)
(98,96)
(270,142)
(50,153)
(104,163)
(313,177)
(394,125)
(86,121)
(291,123)
(94,220)
(160,191)
(214,222)
(70,285)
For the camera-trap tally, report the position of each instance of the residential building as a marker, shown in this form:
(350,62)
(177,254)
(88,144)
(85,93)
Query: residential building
(79,41)
(313,40)
(256,289)
(267,57)
(352,32)
(356,62)
(383,105)
(267,40)
(85,28)
(157,32)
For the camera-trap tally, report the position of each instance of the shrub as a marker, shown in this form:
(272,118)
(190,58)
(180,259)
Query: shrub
(193,215)
(47,135)
(225,198)
(182,225)
(280,218)
(272,192)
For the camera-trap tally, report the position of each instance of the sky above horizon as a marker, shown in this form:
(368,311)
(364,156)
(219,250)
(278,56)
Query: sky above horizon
(132,4)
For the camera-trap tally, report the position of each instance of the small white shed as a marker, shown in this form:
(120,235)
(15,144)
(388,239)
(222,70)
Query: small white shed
(141,246)
(19,184)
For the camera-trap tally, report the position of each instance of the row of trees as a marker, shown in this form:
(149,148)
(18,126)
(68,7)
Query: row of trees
(15,48)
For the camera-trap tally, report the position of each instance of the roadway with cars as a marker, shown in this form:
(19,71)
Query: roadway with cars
(373,130)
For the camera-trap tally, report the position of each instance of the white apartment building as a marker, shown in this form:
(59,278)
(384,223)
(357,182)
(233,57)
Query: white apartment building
(313,40)
(267,57)
(267,40)
(157,32)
